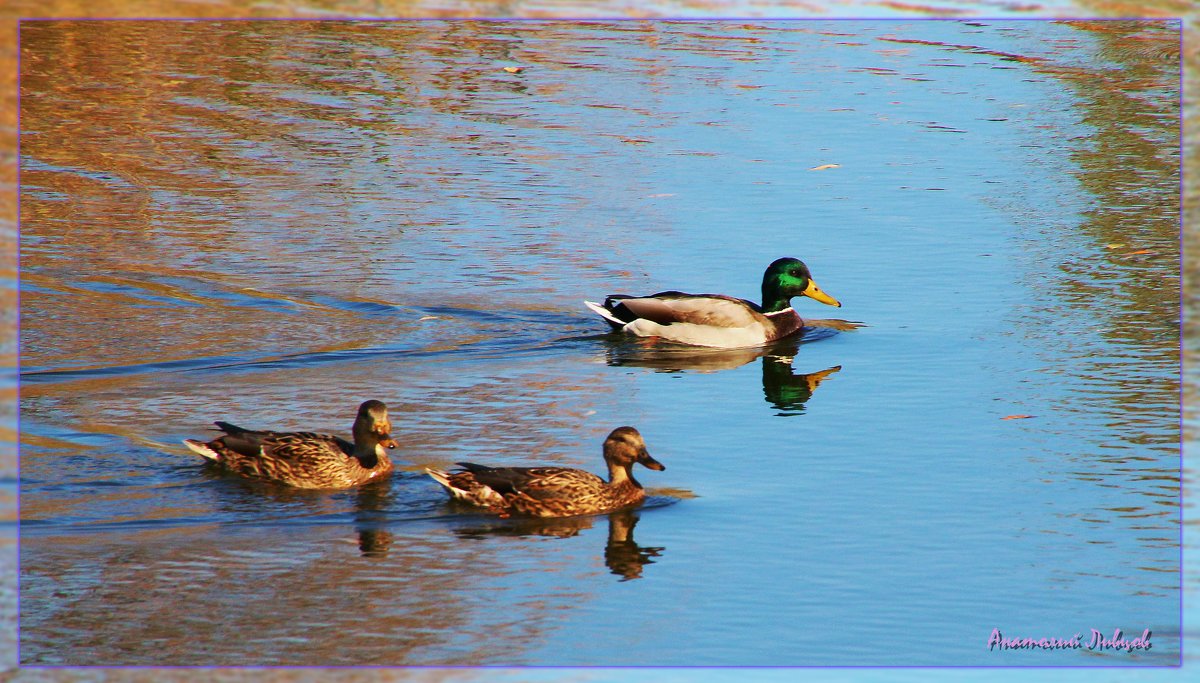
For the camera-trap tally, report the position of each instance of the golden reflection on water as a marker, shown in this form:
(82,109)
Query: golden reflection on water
(245,580)
(214,191)
(1128,280)
(143,586)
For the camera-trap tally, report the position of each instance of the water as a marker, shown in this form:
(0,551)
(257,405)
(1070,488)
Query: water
(268,223)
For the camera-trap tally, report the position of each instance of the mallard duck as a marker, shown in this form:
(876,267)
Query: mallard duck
(304,459)
(555,491)
(715,319)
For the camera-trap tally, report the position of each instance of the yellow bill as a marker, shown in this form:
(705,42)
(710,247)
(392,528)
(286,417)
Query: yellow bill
(814,292)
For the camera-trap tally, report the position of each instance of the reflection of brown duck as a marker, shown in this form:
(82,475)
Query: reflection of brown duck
(621,554)
(371,503)
(374,542)
(305,459)
(551,527)
(555,491)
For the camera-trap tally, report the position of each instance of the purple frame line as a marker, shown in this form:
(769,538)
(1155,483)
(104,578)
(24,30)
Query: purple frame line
(1181,75)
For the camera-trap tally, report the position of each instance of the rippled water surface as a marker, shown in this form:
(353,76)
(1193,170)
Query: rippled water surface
(269,222)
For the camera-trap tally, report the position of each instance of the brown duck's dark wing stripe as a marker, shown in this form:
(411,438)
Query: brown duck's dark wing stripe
(243,442)
(505,480)
(247,442)
(230,428)
(502,480)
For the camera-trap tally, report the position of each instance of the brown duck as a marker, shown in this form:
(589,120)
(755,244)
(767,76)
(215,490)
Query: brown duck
(555,491)
(304,459)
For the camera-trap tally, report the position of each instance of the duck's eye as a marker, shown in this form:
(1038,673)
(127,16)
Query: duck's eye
(795,273)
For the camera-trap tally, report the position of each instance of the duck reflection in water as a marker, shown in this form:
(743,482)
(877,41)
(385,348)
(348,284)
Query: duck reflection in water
(622,555)
(370,505)
(241,496)
(783,388)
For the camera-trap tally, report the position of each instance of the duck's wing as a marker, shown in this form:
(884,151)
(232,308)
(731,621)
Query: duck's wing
(245,442)
(301,446)
(539,483)
(664,308)
(280,445)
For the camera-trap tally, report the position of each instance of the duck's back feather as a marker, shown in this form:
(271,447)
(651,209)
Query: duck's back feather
(280,445)
(537,491)
(666,308)
(535,482)
(712,320)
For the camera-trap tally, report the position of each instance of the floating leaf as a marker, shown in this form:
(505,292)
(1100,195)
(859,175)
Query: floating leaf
(1114,246)
(1015,417)
(1139,251)
(822,167)
(514,69)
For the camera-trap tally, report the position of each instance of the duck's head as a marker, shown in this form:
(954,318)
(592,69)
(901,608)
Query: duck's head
(624,446)
(786,278)
(372,425)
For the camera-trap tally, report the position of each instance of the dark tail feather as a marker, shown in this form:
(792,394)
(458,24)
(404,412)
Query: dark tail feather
(230,428)
(612,311)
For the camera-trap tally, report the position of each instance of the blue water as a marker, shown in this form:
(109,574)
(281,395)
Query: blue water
(309,215)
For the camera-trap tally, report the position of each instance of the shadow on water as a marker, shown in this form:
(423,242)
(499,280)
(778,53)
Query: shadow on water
(375,508)
(783,388)
(370,506)
(622,555)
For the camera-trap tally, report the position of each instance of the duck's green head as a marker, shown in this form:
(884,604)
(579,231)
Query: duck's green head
(786,278)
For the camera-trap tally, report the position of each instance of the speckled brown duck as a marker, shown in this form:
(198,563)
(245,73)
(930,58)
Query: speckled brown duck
(304,459)
(555,491)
